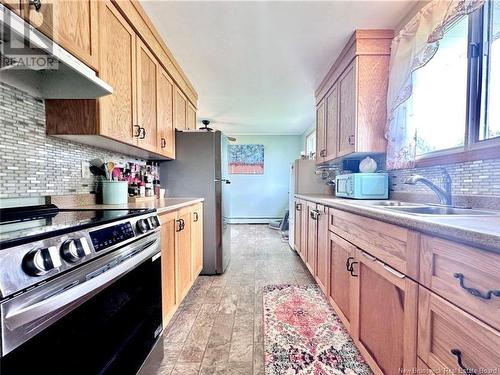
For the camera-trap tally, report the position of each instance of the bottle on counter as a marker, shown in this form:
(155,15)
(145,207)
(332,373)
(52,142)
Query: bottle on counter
(156,188)
(142,189)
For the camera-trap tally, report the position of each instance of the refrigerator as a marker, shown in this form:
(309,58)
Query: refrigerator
(200,169)
(303,180)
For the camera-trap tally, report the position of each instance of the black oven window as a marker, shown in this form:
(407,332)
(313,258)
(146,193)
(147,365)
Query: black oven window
(112,333)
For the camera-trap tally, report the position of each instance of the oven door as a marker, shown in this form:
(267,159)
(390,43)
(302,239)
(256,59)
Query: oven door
(102,318)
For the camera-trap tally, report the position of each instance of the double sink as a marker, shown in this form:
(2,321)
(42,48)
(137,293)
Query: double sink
(427,209)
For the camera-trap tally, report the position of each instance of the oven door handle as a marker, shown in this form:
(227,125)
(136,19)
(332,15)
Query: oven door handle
(80,292)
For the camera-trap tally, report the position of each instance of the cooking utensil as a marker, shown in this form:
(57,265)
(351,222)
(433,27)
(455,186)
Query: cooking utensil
(109,166)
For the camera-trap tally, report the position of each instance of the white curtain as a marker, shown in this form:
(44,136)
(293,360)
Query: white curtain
(411,49)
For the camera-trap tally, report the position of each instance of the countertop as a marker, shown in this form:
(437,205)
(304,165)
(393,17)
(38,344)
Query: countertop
(479,231)
(161,205)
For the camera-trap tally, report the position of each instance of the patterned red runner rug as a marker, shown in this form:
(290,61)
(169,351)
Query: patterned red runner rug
(303,335)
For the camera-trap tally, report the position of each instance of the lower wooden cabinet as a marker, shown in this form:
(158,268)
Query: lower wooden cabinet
(312,237)
(168,260)
(197,240)
(322,249)
(450,340)
(384,315)
(182,255)
(339,278)
(304,225)
(297,227)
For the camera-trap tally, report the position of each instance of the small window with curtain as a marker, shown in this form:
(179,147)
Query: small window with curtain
(444,85)
(311,144)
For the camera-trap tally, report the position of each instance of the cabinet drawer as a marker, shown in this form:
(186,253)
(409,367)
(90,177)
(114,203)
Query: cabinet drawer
(465,276)
(448,335)
(394,245)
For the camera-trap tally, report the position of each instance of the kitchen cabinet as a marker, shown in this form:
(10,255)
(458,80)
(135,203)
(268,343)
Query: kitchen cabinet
(15,5)
(197,239)
(147,80)
(297,228)
(382,294)
(450,340)
(168,260)
(340,290)
(73,24)
(351,100)
(182,255)
(183,252)
(320,132)
(180,110)
(165,110)
(322,246)
(140,116)
(312,237)
(304,227)
(190,117)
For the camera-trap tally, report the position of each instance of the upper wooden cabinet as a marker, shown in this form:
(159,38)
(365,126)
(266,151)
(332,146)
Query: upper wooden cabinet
(190,117)
(73,24)
(148,101)
(180,110)
(117,112)
(351,100)
(165,108)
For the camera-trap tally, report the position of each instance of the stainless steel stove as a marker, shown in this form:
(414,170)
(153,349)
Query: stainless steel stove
(73,280)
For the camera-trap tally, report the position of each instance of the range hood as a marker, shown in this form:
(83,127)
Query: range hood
(33,63)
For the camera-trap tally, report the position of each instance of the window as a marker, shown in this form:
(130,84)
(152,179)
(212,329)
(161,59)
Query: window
(311,144)
(455,99)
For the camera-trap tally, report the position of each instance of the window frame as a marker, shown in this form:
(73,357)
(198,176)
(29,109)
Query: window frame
(474,148)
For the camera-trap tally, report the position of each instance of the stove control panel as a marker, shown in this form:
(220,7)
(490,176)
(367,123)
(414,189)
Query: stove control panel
(110,236)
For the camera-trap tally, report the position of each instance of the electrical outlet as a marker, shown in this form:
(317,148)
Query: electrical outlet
(85,169)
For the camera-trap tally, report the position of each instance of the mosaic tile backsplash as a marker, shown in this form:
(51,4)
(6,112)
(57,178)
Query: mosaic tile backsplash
(33,164)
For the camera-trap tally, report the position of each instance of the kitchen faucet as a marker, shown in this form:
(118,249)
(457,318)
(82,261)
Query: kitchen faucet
(444,194)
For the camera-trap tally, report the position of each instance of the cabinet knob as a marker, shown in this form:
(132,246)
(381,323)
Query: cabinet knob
(142,133)
(196,216)
(350,140)
(163,143)
(322,153)
(138,129)
(37,4)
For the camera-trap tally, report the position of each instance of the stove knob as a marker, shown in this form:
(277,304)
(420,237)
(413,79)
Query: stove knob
(74,250)
(153,223)
(142,226)
(39,262)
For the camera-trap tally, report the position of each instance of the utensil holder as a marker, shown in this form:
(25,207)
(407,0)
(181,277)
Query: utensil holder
(114,192)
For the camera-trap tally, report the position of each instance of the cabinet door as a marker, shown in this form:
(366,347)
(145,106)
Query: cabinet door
(15,5)
(340,290)
(183,253)
(147,70)
(322,256)
(70,23)
(197,240)
(180,108)
(190,117)
(449,338)
(320,132)
(332,124)
(303,229)
(117,53)
(312,237)
(165,111)
(347,104)
(384,315)
(169,297)
(298,226)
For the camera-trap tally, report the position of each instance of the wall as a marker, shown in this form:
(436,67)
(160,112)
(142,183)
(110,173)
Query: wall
(259,198)
(32,164)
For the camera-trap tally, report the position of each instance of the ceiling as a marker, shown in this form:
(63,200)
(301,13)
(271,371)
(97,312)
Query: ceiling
(256,64)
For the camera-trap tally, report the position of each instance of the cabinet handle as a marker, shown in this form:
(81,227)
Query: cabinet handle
(136,135)
(314,214)
(476,292)
(163,143)
(322,153)
(393,271)
(196,217)
(350,139)
(37,4)
(350,266)
(179,228)
(457,353)
(298,206)
(142,133)
(183,224)
(371,257)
